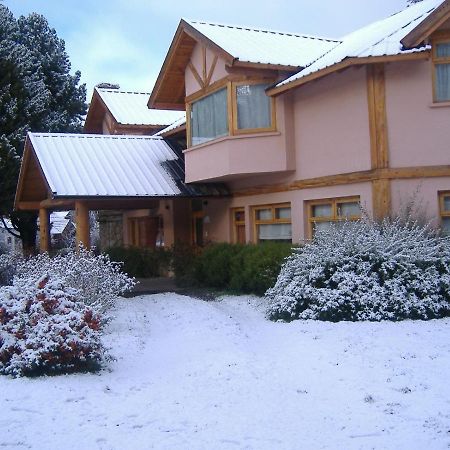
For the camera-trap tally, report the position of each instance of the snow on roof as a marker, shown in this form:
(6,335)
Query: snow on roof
(256,45)
(7,223)
(58,221)
(178,123)
(104,165)
(130,108)
(380,38)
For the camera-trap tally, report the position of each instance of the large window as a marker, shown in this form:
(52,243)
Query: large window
(209,117)
(444,201)
(441,76)
(323,213)
(252,107)
(273,223)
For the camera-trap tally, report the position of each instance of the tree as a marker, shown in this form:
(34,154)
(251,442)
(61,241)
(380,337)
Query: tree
(37,93)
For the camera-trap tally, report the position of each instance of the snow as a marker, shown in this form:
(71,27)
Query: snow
(191,374)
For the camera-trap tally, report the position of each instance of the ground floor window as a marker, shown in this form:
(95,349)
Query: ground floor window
(238,217)
(273,223)
(444,202)
(322,213)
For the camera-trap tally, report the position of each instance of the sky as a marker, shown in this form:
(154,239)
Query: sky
(126,41)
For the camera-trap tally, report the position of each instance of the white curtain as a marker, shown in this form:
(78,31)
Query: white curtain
(253,106)
(275,232)
(209,117)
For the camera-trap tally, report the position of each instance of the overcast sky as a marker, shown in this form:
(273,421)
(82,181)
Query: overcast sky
(125,41)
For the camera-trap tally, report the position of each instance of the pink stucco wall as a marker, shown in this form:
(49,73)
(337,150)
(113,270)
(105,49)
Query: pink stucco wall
(331,125)
(418,131)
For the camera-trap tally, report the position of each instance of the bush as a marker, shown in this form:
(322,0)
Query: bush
(366,271)
(184,263)
(96,279)
(8,265)
(44,329)
(141,262)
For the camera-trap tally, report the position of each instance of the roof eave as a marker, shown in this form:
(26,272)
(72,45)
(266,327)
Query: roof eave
(423,30)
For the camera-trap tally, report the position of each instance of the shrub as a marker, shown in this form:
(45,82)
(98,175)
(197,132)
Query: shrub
(141,262)
(366,271)
(8,265)
(97,280)
(184,263)
(44,329)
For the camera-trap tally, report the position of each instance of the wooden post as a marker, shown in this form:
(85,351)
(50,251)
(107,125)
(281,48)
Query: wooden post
(44,230)
(82,224)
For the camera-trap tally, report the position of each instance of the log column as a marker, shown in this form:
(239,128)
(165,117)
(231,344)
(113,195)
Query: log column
(82,224)
(44,230)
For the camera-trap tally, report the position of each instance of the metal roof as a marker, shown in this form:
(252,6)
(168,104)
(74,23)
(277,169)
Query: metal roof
(83,165)
(256,45)
(130,108)
(380,38)
(178,123)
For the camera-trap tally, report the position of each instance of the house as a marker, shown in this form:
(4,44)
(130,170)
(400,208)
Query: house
(286,133)
(8,242)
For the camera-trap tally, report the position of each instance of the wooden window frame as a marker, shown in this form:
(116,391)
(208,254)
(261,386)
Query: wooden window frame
(235,223)
(240,131)
(439,38)
(442,212)
(230,86)
(274,220)
(334,201)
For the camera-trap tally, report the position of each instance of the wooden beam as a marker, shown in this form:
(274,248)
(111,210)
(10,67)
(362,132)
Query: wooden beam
(44,230)
(27,206)
(211,70)
(82,224)
(204,72)
(381,198)
(197,76)
(56,204)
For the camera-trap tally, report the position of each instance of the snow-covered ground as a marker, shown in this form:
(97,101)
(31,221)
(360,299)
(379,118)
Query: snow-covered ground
(191,374)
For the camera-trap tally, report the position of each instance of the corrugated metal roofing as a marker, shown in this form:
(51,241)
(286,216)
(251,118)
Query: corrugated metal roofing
(256,45)
(130,108)
(377,39)
(82,165)
(173,126)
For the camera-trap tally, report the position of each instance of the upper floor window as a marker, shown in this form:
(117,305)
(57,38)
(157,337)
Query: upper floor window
(444,201)
(209,117)
(322,213)
(441,76)
(252,107)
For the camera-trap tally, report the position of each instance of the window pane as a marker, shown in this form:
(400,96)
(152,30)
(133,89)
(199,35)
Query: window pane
(283,213)
(443,50)
(324,210)
(264,214)
(239,216)
(446,225)
(253,106)
(447,203)
(442,82)
(348,209)
(275,232)
(209,118)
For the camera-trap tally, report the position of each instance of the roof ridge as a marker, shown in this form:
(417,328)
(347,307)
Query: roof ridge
(262,30)
(93,136)
(120,91)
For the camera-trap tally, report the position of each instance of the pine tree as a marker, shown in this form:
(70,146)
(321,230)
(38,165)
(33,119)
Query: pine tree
(37,93)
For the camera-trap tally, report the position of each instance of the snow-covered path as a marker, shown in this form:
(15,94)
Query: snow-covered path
(191,374)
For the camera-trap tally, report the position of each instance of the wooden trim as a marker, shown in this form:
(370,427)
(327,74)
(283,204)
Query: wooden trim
(217,85)
(443,213)
(273,220)
(381,198)
(235,223)
(23,170)
(376,96)
(334,217)
(188,125)
(350,178)
(211,70)
(197,76)
(274,91)
(204,73)
(230,108)
(427,26)
(438,39)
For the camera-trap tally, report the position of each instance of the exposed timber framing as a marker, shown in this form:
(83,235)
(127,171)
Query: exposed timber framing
(44,230)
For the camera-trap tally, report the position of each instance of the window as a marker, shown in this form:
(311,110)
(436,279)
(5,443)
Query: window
(238,217)
(441,75)
(252,107)
(322,213)
(444,202)
(209,117)
(273,223)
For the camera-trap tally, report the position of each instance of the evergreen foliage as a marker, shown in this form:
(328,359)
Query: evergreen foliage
(37,93)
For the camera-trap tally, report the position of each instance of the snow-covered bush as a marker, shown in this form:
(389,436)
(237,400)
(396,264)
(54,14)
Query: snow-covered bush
(97,280)
(44,329)
(8,264)
(364,270)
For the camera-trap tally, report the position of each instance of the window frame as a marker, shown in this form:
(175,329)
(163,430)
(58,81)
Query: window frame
(439,38)
(335,201)
(235,223)
(442,212)
(273,221)
(234,104)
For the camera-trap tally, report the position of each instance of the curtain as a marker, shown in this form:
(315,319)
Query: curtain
(253,106)
(275,232)
(442,72)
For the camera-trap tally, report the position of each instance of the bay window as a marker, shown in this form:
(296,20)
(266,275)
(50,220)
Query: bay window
(441,75)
